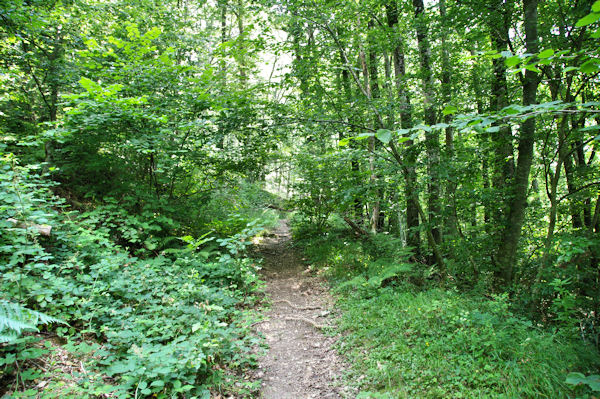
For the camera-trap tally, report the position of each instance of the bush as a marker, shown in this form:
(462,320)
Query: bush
(228,210)
(408,337)
(163,324)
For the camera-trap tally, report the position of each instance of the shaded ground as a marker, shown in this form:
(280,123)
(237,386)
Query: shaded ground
(301,362)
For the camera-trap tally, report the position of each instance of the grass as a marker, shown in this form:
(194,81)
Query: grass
(408,336)
(440,344)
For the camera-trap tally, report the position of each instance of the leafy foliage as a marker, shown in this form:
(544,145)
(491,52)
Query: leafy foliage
(458,140)
(159,323)
(15,319)
(407,337)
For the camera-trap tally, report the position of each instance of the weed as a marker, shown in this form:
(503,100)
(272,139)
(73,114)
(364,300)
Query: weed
(424,341)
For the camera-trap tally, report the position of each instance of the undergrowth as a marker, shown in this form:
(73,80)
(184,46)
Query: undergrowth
(408,335)
(141,311)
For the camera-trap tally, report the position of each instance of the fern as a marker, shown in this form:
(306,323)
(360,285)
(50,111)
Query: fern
(16,319)
(351,285)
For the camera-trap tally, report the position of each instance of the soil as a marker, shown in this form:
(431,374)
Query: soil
(301,362)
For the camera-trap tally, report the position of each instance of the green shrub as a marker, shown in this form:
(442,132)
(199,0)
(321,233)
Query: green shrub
(228,210)
(158,324)
(406,337)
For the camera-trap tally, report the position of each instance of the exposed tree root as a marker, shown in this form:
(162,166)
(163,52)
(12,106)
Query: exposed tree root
(291,305)
(304,319)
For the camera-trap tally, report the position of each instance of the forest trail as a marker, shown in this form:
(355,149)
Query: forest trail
(301,362)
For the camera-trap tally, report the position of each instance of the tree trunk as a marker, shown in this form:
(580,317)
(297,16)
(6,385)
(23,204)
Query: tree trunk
(354,163)
(503,162)
(51,102)
(507,253)
(222,5)
(242,61)
(575,212)
(450,222)
(432,143)
(373,85)
(410,154)
(555,178)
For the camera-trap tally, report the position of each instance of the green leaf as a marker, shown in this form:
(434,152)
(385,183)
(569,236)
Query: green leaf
(363,136)
(152,34)
(588,19)
(593,381)
(588,128)
(512,61)
(575,378)
(449,110)
(384,135)
(15,319)
(532,68)
(187,239)
(88,84)
(546,53)
(344,142)
(113,40)
(590,66)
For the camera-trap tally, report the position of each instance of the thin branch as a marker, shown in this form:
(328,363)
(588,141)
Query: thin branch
(579,189)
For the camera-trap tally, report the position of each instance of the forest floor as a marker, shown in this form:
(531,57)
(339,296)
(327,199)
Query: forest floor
(301,361)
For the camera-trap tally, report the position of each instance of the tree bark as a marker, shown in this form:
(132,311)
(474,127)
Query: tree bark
(51,102)
(242,57)
(555,178)
(503,161)
(373,85)
(507,253)
(450,219)
(432,143)
(410,153)
(354,163)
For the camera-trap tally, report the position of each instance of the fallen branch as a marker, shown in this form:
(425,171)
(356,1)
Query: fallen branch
(42,229)
(355,227)
(277,208)
(258,322)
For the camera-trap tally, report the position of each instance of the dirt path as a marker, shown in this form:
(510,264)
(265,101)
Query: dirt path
(301,362)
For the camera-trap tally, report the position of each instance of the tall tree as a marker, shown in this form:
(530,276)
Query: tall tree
(503,161)
(374,90)
(432,142)
(507,252)
(409,161)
